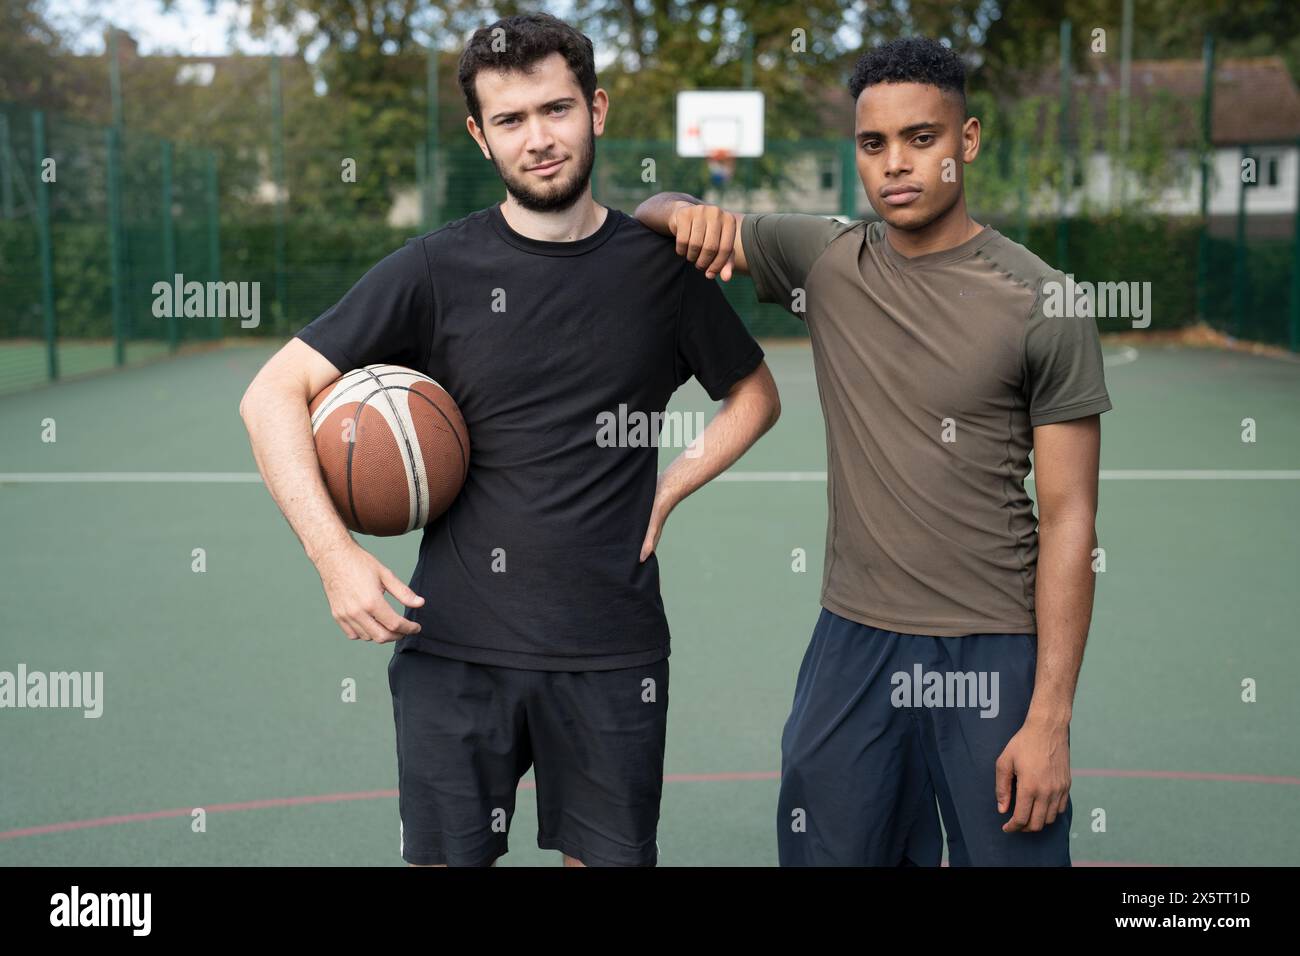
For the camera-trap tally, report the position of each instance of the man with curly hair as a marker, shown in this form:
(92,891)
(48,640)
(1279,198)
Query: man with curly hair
(941,674)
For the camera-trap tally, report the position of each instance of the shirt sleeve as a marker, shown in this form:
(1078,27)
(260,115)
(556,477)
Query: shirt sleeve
(780,249)
(712,341)
(386,317)
(1064,373)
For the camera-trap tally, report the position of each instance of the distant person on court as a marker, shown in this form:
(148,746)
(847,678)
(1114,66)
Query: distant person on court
(534,632)
(942,669)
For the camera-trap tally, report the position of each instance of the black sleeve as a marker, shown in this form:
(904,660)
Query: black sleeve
(386,317)
(712,342)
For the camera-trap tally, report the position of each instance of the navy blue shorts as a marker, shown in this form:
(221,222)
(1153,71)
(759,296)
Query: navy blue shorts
(867,763)
(467,733)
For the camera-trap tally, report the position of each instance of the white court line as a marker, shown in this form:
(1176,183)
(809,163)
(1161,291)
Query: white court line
(1193,474)
(771,476)
(252,477)
(1107,474)
(1127,354)
(129,477)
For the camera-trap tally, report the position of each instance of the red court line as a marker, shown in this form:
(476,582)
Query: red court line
(1110,863)
(1190,775)
(276,802)
(186,811)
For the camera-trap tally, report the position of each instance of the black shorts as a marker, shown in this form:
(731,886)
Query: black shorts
(467,733)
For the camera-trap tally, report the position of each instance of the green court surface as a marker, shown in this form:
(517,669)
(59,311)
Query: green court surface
(222,689)
(25,362)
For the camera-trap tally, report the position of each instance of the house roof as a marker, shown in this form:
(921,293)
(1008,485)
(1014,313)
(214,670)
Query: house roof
(1255,99)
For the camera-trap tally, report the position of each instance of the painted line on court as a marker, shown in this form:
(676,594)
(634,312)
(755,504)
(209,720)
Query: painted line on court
(129,477)
(1126,355)
(1106,863)
(280,802)
(1198,474)
(771,476)
(186,811)
(252,477)
(1106,474)
(1190,775)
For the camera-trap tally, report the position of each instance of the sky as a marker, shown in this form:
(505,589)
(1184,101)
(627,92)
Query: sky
(195,27)
(191,26)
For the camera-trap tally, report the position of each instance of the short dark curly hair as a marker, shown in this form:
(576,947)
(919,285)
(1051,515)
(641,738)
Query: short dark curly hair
(529,37)
(911,60)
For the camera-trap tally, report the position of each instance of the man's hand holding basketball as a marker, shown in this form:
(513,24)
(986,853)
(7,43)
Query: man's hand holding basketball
(355,582)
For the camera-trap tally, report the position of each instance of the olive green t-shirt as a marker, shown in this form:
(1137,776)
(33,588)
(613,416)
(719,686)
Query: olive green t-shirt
(933,371)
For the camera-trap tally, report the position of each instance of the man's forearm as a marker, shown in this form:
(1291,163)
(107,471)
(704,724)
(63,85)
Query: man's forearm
(1063,604)
(654,212)
(742,420)
(279,430)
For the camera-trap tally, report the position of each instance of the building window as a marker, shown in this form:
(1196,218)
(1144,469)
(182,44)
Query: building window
(826,172)
(1268,164)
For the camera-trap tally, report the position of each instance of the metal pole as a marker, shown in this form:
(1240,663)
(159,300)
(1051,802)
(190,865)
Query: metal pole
(121,318)
(1207,170)
(46,247)
(281,187)
(1022,190)
(1125,86)
(115,246)
(1239,257)
(214,235)
(1067,178)
(747,82)
(422,184)
(1295,269)
(6,170)
(169,241)
(432,215)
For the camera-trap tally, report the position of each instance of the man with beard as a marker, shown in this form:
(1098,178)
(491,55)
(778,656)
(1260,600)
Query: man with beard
(942,669)
(534,632)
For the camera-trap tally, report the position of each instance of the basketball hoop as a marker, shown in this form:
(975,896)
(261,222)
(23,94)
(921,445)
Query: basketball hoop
(722,165)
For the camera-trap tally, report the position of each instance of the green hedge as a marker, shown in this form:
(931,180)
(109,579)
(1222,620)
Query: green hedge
(1248,295)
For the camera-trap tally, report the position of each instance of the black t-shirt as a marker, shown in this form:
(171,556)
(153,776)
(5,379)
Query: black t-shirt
(535,565)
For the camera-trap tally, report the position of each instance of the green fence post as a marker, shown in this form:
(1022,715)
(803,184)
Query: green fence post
(848,178)
(431,137)
(1022,191)
(1295,268)
(1239,254)
(6,170)
(1067,177)
(1207,169)
(277,116)
(46,246)
(169,241)
(214,236)
(422,185)
(115,245)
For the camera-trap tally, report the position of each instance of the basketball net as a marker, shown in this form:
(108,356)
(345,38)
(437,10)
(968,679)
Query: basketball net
(722,165)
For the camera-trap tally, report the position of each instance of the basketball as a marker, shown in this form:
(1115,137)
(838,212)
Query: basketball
(393,448)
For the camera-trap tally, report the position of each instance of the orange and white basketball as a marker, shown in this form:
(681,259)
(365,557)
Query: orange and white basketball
(393,448)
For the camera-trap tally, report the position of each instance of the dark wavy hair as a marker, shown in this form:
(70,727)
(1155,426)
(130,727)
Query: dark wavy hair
(529,37)
(911,60)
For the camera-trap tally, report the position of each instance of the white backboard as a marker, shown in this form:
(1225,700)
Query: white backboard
(709,120)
